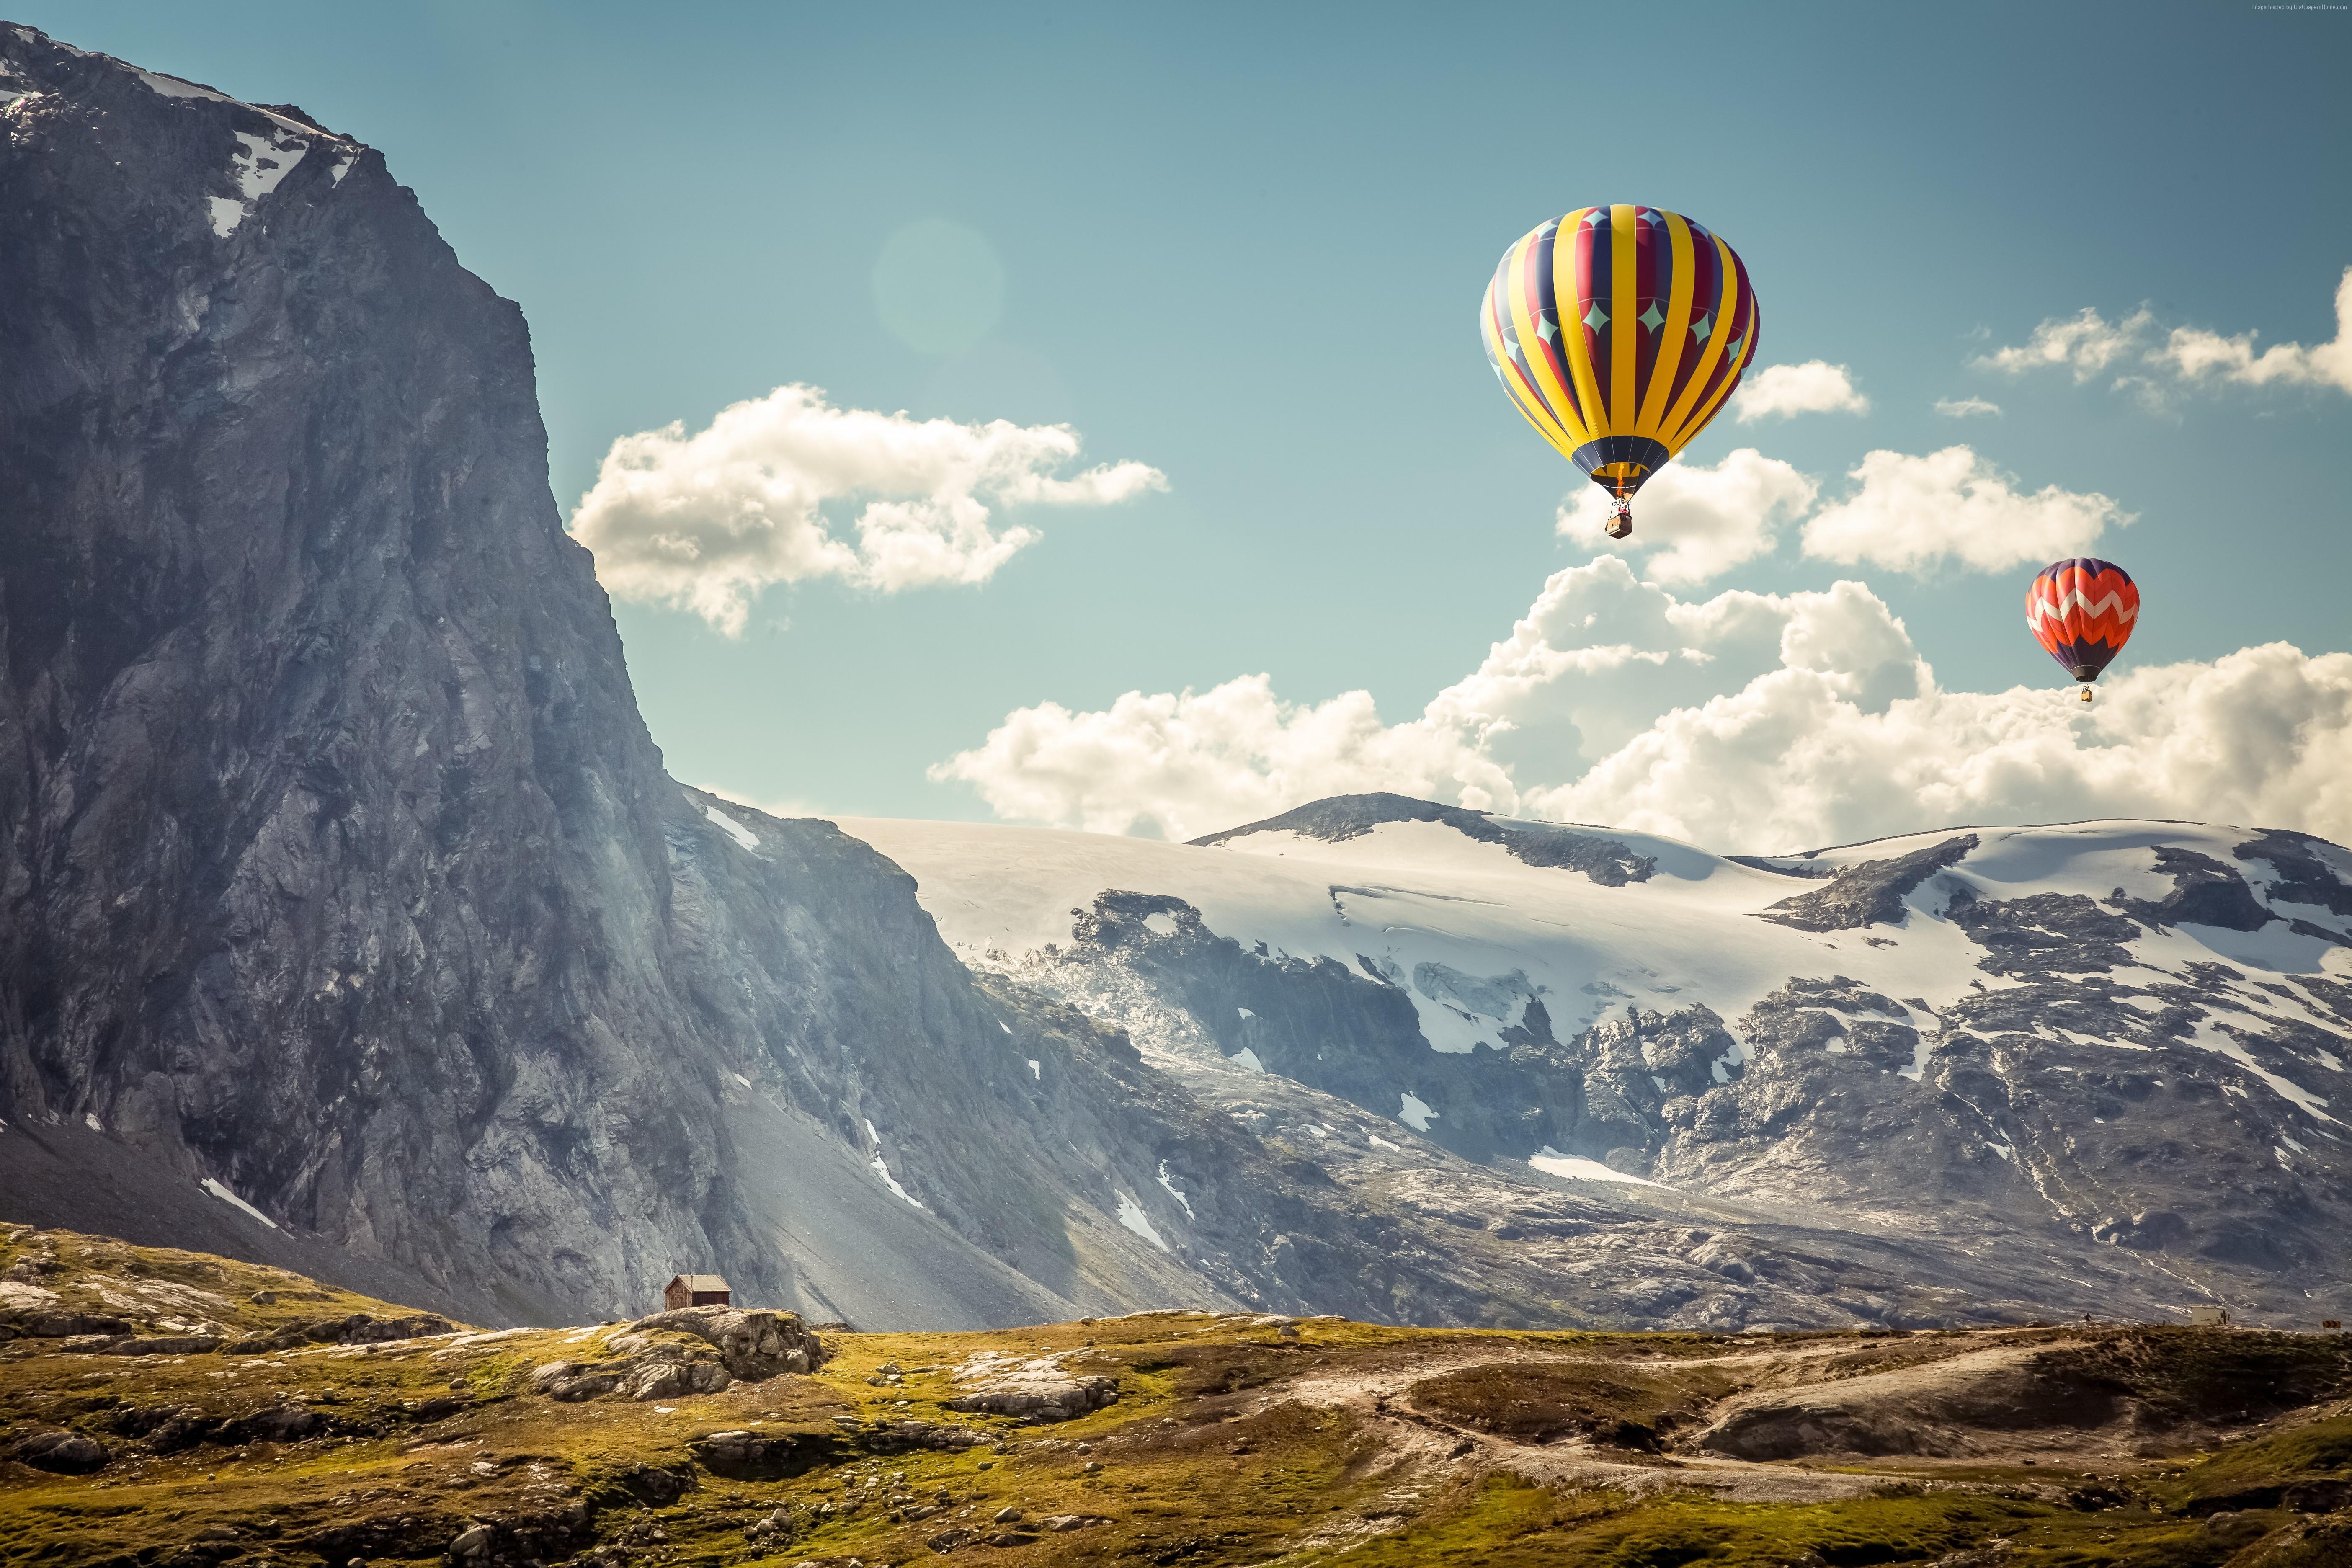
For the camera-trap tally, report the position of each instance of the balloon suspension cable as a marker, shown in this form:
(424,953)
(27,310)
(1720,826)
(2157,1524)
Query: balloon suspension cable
(1620,518)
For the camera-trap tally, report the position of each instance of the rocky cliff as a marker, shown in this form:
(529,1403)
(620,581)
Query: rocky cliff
(346,916)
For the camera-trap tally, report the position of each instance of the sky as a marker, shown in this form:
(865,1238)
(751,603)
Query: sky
(1257,523)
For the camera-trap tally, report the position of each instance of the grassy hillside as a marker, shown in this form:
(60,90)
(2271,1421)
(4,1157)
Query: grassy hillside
(301,1437)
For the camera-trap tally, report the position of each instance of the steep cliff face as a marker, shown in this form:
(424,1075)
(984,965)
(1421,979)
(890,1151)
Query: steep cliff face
(326,840)
(337,869)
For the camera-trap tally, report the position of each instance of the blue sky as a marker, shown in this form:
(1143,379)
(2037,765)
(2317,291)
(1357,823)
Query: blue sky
(1243,244)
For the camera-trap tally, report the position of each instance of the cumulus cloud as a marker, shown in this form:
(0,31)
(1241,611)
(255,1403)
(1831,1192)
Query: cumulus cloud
(2087,344)
(1701,522)
(2090,345)
(1815,386)
(1745,721)
(1953,507)
(2190,353)
(2261,737)
(1179,765)
(1965,407)
(705,522)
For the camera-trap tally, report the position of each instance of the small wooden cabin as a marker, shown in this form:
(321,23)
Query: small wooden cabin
(696,1290)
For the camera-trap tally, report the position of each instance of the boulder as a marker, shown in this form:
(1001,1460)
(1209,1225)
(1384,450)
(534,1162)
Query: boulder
(66,1453)
(752,1345)
(66,1325)
(1039,1389)
(754,1456)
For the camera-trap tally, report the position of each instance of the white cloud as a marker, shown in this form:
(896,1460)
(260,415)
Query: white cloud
(2261,737)
(1965,407)
(2090,345)
(1702,520)
(708,521)
(2086,344)
(1913,514)
(1746,722)
(1815,386)
(1181,766)
(2191,352)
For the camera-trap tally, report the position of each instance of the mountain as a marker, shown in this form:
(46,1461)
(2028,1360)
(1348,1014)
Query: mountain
(348,917)
(2101,1065)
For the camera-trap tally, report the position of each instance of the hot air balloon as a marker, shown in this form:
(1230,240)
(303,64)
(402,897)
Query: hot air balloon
(2082,611)
(1619,331)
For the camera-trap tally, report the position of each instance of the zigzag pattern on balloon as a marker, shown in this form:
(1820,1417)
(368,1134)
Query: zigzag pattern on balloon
(2038,608)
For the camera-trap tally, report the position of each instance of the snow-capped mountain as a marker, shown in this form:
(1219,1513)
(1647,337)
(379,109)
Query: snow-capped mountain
(2116,1049)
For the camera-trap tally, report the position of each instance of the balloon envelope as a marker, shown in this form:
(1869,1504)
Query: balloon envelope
(2082,611)
(1619,331)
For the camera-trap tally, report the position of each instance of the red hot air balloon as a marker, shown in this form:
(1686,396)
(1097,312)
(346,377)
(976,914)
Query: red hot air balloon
(2082,611)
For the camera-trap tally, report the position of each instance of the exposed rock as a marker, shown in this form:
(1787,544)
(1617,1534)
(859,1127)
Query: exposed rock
(1871,893)
(1037,1389)
(66,1453)
(166,1345)
(908,1436)
(752,1346)
(749,1456)
(61,1325)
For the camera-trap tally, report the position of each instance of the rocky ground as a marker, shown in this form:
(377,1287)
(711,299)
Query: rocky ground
(162,1407)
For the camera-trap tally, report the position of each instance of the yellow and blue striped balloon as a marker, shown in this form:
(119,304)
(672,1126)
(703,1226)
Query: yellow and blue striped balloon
(1619,331)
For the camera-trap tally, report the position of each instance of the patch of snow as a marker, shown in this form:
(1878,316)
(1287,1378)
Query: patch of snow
(1035,1072)
(1173,1192)
(342,166)
(264,161)
(1131,1215)
(1380,1142)
(1836,1047)
(222,1193)
(173,86)
(2293,1144)
(90,1119)
(1576,1168)
(2005,1150)
(1248,1058)
(1003,1026)
(738,1078)
(2331,1061)
(1246,1012)
(1319,1129)
(1413,1113)
(734,829)
(2212,1039)
(1921,1048)
(882,1169)
(227,214)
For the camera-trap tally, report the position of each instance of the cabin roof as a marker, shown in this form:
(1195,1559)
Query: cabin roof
(702,1282)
